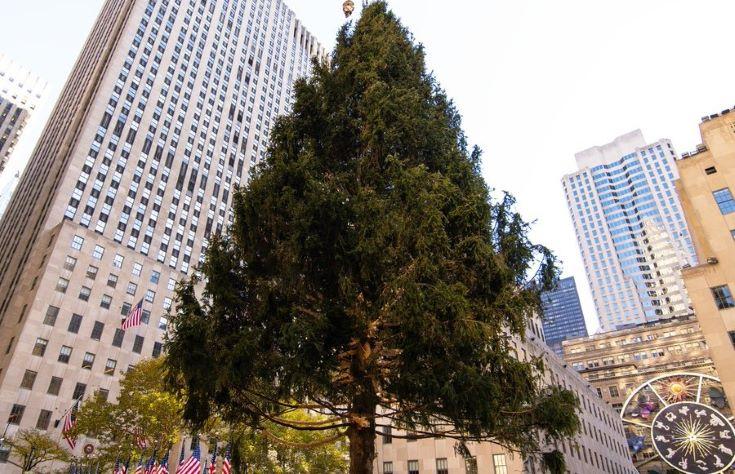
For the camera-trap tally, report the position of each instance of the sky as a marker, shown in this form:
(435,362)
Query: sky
(535,80)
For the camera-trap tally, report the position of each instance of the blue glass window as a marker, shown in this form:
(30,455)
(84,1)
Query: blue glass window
(724,199)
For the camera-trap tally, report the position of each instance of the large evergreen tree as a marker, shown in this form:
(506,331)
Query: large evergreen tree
(368,274)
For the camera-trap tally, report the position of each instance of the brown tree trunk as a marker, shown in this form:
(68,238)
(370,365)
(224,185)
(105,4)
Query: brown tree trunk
(362,445)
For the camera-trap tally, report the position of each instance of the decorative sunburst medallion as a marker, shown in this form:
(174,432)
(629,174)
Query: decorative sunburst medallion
(694,438)
(678,390)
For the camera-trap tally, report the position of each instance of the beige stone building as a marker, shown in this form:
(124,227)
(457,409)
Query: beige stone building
(706,186)
(166,111)
(615,363)
(599,448)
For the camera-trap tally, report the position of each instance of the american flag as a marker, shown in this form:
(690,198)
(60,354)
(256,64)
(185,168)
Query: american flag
(133,318)
(139,469)
(213,466)
(120,468)
(140,439)
(191,465)
(226,466)
(70,422)
(150,467)
(163,467)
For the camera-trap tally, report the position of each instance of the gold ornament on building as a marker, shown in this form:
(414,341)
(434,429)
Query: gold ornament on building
(348,7)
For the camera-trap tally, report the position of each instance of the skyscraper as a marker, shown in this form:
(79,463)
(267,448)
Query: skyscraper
(20,94)
(631,230)
(563,317)
(166,112)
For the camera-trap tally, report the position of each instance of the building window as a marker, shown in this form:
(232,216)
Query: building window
(138,344)
(125,310)
(157,349)
(413,467)
(74,323)
(167,302)
(70,263)
(62,285)
(54,387)
(84,293)
(106,301)
(77,242)
(155,277)
(710,170)
(163,323)
(39,349)
(723,297)
(499,463)
(65,354)
(171,284)
(387,467)
(16,414)
(98,253)
(599,391)
(44,420)
(88,361)
(103,394)
(724,200)
(117,339)
(29,379)
(97,330)
(613,391)
(118,261)
(150,296)
(387,435)
(79,390)
(442,466)
(470,465)
(92,272)
(52,312)
(110,367)
(137,269)
(112,281)
(132,288)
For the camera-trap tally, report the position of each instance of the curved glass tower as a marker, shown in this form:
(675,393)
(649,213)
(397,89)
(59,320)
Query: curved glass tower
(631,230)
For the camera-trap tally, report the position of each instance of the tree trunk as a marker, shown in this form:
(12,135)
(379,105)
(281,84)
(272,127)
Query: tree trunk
(362,448)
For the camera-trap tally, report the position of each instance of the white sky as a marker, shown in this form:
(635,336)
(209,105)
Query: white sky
(536,80)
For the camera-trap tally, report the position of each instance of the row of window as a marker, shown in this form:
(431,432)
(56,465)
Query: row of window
(500,465)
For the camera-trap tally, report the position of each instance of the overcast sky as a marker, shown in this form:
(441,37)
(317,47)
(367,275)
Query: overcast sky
(536,80)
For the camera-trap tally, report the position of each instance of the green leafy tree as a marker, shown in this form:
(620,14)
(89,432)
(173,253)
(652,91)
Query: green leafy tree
(145,419)
(31,448)
(369,275)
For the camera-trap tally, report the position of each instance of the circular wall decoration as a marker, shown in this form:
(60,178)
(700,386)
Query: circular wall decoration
(682,421)
(694,438)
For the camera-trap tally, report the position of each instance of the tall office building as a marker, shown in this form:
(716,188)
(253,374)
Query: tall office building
(20,94)
(631,230)
(165,113)
(562,315)
(706,188)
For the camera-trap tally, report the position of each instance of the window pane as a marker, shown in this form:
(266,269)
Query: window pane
(723,297)
(44,420)
(51,313)
(16,414)
(75,323)
(62,285)
(39,349)
(110,367)
(413,467)
(92,272)
(70,263)
(138,344)
(88,361)
(65,354)
(97,330)
(79,390)
(29,378)
(55,385)
(117,340)
(725,201)
(388,467)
